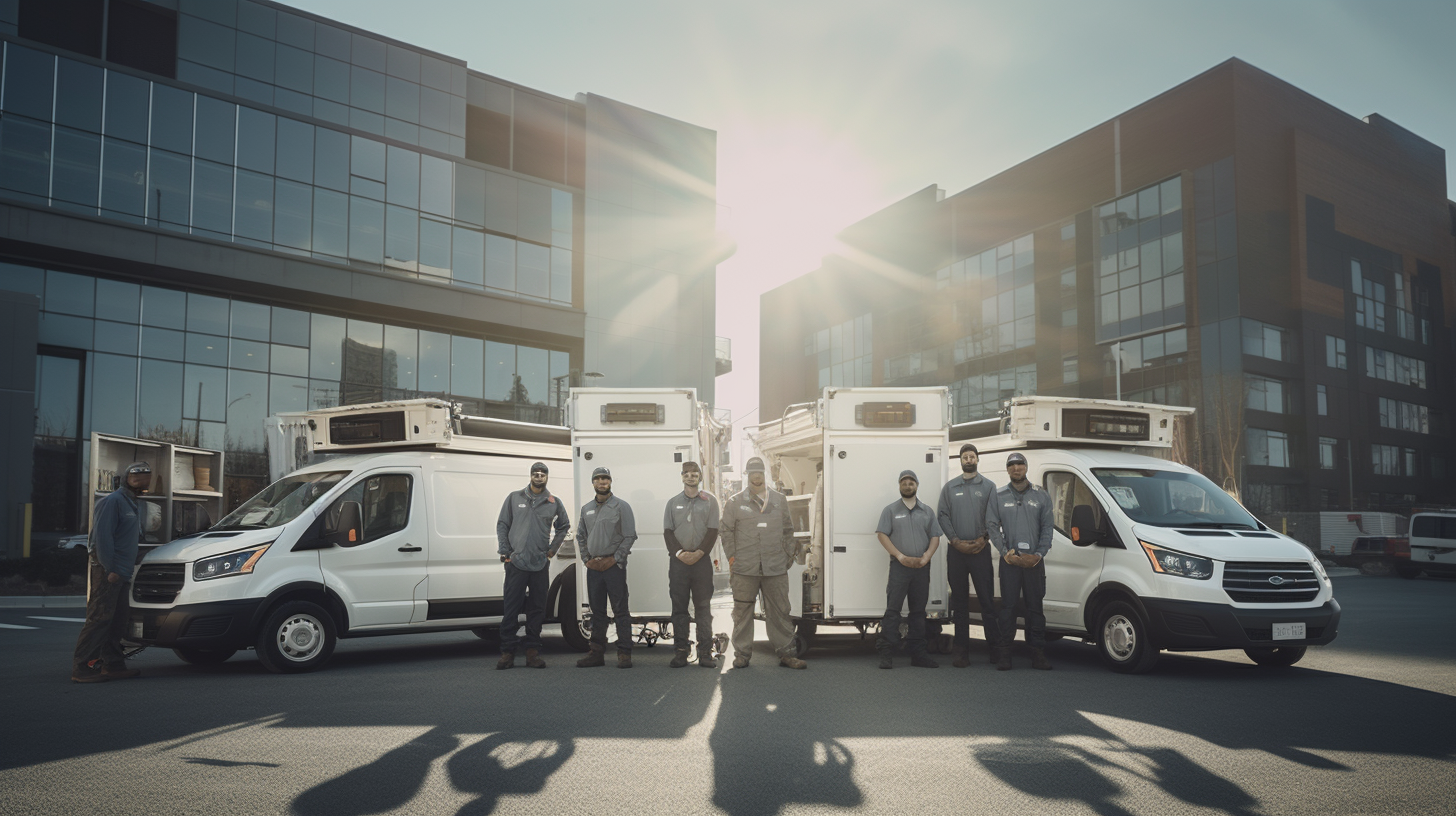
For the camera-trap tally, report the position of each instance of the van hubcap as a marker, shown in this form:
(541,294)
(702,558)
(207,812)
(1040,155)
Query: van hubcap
(1119,637)
(301,637)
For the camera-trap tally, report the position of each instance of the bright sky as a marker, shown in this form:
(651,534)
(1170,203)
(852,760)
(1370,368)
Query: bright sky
(827,111)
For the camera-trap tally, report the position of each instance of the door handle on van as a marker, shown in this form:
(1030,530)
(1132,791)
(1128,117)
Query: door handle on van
(408,548)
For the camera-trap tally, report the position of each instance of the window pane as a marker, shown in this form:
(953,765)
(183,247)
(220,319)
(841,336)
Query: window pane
(127,107)
(287,394)
(113,394)
(163,344)
(256,138)
(164,307)
(436,194)
(293,68)
(561,275)
(533,212)
(288,360)
(531,368)
(70,294)
(402,238)
(331,79)
(78,95)
(402,100)
(29,82)
(204,392)
(160,406)
(124,178)
(171,119)
(401,358)
(77,172)
(366,89)
(254,218)
(212,200)
(246,410)
(331,159)
(500,263)
(466,362)
(216,129)
(500,370)
(1172,195)
(290,326)
(326,348)
(434,363)
(434,248)
(467,262)
(295,150)
(403,186)
(293,214)
(367,159)
(366,230)
(25,153)
(561,218)
(330,223)
(500,204)
(470,194)
(533,270)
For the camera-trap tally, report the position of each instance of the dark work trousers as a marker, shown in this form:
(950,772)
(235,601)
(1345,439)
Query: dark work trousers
(107,611)
(524,590)
(697,581)
(916,584)
(1028,584)
(979,571)
(601,586)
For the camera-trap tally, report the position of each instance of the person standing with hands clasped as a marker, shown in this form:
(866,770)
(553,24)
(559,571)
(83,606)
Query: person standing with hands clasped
(758,537)
(112,553)
(604,536)
(910,533)
(690,528)
(968,562)
(526,545)
(1019,521)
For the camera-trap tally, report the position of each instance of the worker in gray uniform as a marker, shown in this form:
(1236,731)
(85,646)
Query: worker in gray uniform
(690,528)
(758,537)
(1019,522)
(526,544)
(968,561)
(909,532)
(604,535)
(111,558)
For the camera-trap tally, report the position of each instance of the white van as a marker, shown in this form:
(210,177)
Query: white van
(1148,554)
(397,539)
(1432,545)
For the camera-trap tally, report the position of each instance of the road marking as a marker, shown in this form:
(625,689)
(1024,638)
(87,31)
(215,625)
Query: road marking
(62,620)
(16,626)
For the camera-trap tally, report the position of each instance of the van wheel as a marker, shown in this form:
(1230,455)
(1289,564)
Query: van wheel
(203,657)
(1123,640)
(297,637)
(573,629)
(1280,656)
(803,637)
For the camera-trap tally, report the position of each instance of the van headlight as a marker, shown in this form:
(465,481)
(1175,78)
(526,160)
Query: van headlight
(237,563)
(1171,562)
(1319,569)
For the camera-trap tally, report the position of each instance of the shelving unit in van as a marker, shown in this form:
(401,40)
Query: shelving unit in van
(186,493)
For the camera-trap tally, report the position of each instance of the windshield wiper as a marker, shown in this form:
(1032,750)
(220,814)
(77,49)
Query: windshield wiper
(1217,525)
(242,527)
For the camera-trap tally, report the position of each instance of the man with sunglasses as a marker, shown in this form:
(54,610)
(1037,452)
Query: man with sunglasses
(112,553)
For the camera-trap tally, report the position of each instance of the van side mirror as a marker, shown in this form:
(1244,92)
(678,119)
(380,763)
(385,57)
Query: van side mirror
(348,530)
(1084,527)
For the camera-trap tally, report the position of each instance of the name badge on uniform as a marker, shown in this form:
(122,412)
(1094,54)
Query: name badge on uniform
(900,516)
(763,524)
(591,512)
(679,507)
(961,494)
(744,509)
(1022,545)
(520,505)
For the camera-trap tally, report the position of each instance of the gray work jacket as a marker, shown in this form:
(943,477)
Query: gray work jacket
(1017,517)
(909,529)
(116,531)
(759,542)
(523,529)
(606,528)
(963,501)
(689,520)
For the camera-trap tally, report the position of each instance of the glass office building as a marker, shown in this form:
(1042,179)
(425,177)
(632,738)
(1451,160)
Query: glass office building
(219,210)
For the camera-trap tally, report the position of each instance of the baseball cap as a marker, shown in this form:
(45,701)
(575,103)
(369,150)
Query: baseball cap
(1015,459)
(601,471)
(691,467)
(908,474)
(755,465)
(541,467)
(969,447)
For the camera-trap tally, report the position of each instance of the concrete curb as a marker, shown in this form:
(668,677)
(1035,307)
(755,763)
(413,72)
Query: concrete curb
(42,601)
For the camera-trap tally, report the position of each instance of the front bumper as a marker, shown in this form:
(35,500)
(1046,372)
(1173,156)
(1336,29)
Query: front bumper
(1196,626)
(214,625)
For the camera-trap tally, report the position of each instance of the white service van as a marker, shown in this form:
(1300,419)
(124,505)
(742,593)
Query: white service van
(1148,554)
(1432,545)
(392,532)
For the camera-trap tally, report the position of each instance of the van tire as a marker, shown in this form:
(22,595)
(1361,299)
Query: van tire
(803,637)
(1123,639)
(203,657)
(571,624)
(1277,657)
(297,636)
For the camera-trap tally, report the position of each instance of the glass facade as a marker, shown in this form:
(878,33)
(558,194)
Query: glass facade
(843,355)
(104,142)
(980,396)
(197,369)
(1140,282)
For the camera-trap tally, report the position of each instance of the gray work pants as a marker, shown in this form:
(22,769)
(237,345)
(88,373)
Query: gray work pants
(905,582)
(525,591)
(107,611)
(601,586)
(1029,584)
(774,589)
(978,571)
(695,581)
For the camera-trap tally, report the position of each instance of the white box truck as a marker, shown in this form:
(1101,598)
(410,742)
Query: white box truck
(392,531)
(1148,554)
(838,459)
(1432,545)
(643,435)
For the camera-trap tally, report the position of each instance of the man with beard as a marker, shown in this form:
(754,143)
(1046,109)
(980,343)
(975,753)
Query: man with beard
(1019,521)
(962,516)
(526,545)
(116,531)
(690,527)
(604,536)
(909,532)
(758,537)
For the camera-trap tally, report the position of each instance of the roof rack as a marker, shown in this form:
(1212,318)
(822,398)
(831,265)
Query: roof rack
(429,424)
(1033,421)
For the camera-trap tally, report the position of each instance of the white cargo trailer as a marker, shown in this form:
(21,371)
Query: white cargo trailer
(643,435)
(838,459)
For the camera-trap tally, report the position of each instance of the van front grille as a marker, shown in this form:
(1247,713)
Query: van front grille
(1270,582)
(158,583)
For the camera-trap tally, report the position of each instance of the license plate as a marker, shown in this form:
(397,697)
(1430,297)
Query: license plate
(1289,631)
(136,628)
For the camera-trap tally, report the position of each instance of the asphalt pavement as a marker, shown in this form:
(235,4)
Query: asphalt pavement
(424,724)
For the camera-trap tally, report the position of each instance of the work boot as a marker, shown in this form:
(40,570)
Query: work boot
(792,663)
(679,659)
(119,671)
(962,657)
(88,673)
(705,658)
(1003,659)
(887,661)
(923,662)
(1039,660)
(740,662)
(595,657)
(624,659)
(507,661)
(533,660)
(993,654)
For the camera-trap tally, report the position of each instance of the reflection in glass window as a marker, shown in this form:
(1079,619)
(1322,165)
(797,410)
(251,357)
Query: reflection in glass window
(466,365)
(331,79)
(331,159)
(247,408)
(561,275)
(171,119)
(287,394)
(366,230)
(159,406)
(216,129)
(366,158)
(78,95)
(212,200)
(470,194)
(402,99)
(467,254)
(29,82)
(403,184)
(434,362)
(533,270)
(500,263)
(206,349)
(402,236)
(434,248)
(436,194)
(295,150)
(253,217)
(366,89)
(169,195)
(292,214)
(127,107)
(25,152)
(532,375)
(204,393)
(326,348)
(123,179)
(561,219)
(500,370)
(1068,492)
(288,360)
(166,308)
(401,358)
(113,394)
(116,300)
(257,136)
(330,224)
(76,176)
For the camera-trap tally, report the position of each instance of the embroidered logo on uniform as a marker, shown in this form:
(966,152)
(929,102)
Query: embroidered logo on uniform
(1033,503)
(551,499)
(978,494)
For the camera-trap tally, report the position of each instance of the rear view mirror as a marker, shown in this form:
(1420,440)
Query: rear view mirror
(348,530)
(1084,527)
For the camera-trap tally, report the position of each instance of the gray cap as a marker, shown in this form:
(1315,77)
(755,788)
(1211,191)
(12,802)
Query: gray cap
(755,465)
(908,474)
(691,467)
(540,467)
(601,471)
(1015,459)
(138,467)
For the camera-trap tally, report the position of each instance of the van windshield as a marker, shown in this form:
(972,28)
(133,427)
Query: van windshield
(282,501)
(1169,498)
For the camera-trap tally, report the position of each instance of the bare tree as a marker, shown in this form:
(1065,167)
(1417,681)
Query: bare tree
(1225,399)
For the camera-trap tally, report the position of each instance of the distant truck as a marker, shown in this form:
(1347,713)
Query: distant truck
(1432,545)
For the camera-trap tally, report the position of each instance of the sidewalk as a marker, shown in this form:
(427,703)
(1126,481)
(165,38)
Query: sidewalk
(43,602)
